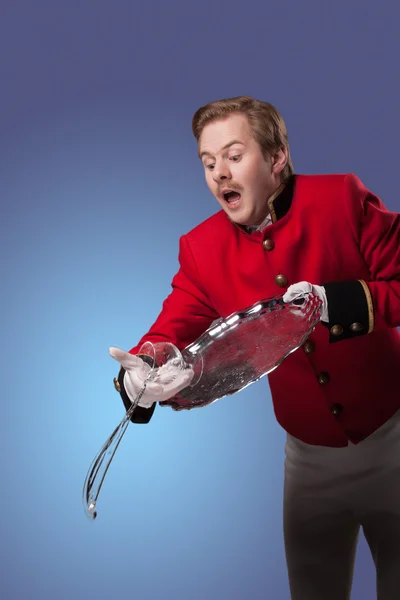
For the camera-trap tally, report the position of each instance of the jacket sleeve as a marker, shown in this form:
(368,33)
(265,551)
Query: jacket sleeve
(359,307)
(186,313)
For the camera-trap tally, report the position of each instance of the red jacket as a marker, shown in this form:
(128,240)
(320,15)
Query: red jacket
(329,230)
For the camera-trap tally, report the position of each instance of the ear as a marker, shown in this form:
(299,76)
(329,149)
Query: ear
(279,160)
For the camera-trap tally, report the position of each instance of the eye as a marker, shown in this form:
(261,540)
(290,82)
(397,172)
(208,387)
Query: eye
(235,158)
(210,167)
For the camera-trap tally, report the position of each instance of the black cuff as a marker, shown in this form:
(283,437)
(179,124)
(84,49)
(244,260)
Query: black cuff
(350,309)
(140,415)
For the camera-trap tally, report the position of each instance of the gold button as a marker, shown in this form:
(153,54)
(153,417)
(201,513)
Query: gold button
(356,327)
(309,347)
(337,330)
(323,378)
(281,280)
(268,244)
(116,384)
(336,409)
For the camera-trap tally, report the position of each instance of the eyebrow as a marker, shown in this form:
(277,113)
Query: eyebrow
(223,148)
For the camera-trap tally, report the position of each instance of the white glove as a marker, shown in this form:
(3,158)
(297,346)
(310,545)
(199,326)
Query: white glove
(169,381)
(301,289)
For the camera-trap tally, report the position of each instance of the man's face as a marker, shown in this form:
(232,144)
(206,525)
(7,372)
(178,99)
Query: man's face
(237,173)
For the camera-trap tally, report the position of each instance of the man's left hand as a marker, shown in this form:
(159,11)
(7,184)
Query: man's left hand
(301,289)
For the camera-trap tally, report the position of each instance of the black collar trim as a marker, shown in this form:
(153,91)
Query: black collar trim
(280,202)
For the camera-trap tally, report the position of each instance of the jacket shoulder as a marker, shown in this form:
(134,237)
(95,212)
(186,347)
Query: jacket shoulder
(330,181)
(335,189)
(327,181)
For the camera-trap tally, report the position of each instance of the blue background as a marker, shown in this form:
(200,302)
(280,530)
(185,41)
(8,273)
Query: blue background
(99,177)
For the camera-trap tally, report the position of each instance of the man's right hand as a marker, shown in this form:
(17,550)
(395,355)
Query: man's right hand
(169,381)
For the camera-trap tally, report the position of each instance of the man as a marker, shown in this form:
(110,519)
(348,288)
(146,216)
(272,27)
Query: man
(338,397)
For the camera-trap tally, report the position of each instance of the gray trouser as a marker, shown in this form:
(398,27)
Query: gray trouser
(331,492)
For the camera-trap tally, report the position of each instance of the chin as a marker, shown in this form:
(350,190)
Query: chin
(239,220)
(242,218)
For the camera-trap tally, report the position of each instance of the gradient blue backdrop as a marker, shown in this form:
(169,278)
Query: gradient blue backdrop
(99,178)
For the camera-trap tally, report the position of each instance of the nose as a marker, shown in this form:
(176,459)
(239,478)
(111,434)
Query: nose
(221,171)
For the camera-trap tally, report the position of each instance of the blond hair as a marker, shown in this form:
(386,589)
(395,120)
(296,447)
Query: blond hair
(267,124)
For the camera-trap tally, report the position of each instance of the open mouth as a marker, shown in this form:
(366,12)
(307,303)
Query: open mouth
(231,197)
